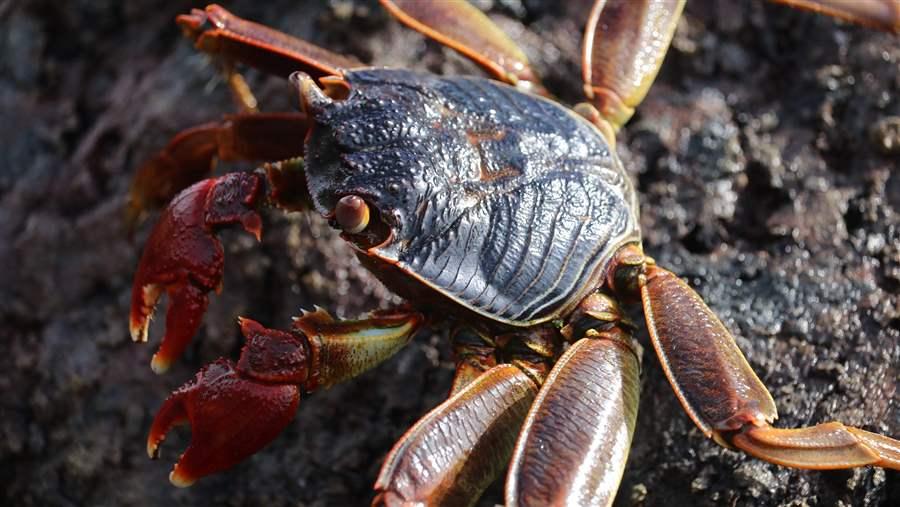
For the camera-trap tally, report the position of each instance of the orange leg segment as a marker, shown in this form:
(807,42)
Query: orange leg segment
(823,447)
(625,42)
(725,398)
(880,14)
(219,32)
(462,27)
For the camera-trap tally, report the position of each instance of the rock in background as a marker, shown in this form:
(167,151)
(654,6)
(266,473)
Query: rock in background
(767,161)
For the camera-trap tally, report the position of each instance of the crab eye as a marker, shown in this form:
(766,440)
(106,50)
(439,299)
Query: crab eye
(352,214)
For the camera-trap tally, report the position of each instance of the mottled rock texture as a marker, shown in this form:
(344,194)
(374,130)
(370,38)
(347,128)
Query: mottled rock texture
(767,162)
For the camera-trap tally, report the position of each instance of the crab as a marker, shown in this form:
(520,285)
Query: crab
(494,211)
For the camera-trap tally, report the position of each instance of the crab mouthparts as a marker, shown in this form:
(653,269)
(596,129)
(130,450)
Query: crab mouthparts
(312,97)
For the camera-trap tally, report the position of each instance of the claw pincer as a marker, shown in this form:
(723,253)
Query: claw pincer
(235,410)
(185,259)
(231,414)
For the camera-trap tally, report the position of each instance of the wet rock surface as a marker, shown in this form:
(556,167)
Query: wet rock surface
(767,162)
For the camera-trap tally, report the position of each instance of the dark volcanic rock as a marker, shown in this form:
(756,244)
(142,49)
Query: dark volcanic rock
(766,158)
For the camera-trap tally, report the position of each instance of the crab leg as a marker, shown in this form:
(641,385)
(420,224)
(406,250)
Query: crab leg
(183,257)
(880,14)
(457,450)
(474,355)
(192,154)
(236,409)
(724,397)
(462,27)
(575,441)
(220,33)
(625,42)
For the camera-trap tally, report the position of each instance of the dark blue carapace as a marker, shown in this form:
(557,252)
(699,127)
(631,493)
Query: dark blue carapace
(507,203)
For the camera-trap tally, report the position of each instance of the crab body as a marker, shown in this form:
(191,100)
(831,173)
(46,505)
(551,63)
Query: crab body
(504,202)
(486,205)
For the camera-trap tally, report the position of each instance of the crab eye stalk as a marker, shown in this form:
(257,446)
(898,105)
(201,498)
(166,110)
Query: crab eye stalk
(352,214)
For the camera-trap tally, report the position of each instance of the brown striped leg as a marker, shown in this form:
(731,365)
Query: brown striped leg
(462,27)
(457,450)
(575,441)
(880,14)
(236,409)
(725,398)
(192,154)
(625,42)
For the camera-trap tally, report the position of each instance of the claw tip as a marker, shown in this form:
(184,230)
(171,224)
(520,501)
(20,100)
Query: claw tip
(159,365)
(142,308)
(138,331)
(152,449)
(179,480)
(249,325)
(253,224)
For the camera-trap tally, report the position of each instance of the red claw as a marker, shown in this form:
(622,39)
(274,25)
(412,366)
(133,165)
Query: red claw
(184,258)
(231,418)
